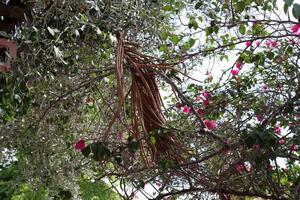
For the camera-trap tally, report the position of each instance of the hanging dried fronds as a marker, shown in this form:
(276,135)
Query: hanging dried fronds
(146,103)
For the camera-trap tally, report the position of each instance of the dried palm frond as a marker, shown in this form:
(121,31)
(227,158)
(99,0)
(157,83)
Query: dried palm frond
(146,103)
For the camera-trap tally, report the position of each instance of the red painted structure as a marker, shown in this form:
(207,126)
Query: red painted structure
(11,54)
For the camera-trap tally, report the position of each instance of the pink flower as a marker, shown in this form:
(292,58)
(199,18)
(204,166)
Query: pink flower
(206,103)
(80,144)
(293,42)
(206,95)
(295,28)
(274,43)
(239,168)
(178,105)
(201,112)
(294,147)
(257,43)
(234,71)
(277,130)
(119,136)
(260,118)
(268,44)
(270,168)
(198,98)
(186,109)
(248,43)
(238,64)
(210,124)
(281,141)
(255,147)
(265,87)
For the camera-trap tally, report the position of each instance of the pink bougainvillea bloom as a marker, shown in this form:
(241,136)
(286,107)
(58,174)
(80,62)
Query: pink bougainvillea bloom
(281,141)
(274,43)
(178,105)
(265,87)
(80,144)
(248,43)
(234,71)
(206,103)
(238,64)
(206,95)
(295,28)
(294,147)
(255,147)
(268,44)
(257,43)
(293,42)
(186,109)
(210,124)
(201,112)
(270,168)
(198,98)
(260,118)
(119,136)
(239,168)
(277,130)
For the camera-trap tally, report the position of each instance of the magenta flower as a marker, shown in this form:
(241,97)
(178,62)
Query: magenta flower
(239,168)
(178,105)
(238,64)
(186,109)
(206,95)
(257,43)
(119,136)
(255,147)
(201,112)
(277,130)
(248,43)
(265,87)
(234,71)
(294,147)
(206,103)
(198,98)
(260,118)
(274,43)
(80,144)
(210,124)
(281,141)
(270,168)
(295,28)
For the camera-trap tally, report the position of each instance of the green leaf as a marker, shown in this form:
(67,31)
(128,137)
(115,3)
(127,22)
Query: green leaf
(240,6)
(86,151)
(259,2)
(209,31)
(242,29)
(198,4)
(133,146)
(296,10)
(175,39)
(163,47)
(168,8)
(163,35)
(285,8)
(152,139)
(288,2)
(100,151)
(192,42)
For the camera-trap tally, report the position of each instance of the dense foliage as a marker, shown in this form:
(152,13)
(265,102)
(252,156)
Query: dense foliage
(228,75)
